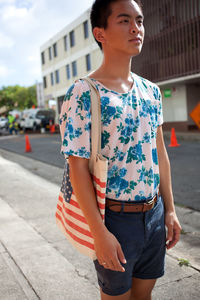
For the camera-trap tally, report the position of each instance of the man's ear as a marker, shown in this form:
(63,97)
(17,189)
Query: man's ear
(99,34)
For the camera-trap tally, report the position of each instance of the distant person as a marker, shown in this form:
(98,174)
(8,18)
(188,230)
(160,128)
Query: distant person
(11,120)
(16,126)
(131,245)
(13,126)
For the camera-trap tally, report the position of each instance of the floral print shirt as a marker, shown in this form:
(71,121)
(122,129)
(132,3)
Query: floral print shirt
(129,125)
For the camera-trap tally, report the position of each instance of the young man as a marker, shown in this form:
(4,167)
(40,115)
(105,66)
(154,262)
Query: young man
(130,247)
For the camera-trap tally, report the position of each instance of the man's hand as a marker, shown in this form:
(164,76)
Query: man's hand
(109,252)
(173,229)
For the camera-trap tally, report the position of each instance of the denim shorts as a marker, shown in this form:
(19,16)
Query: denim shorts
(142,237)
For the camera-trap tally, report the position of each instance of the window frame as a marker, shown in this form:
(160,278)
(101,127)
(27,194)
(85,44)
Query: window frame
(72,38)
(68,73)
(44,82)
(86,29)
(55,50)
(43,58)
(50,53)
(65,42)
(88,62)
(74,69)
(52,78)
(57,77)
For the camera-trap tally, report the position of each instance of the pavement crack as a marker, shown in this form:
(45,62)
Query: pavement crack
(189,266)
(176,280)
(80,274)
(19,275)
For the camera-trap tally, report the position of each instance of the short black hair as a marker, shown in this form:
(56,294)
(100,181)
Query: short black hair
(100,12)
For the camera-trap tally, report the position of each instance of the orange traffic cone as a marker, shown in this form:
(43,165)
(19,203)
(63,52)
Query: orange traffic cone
(28,145)
(173,139)
(52,129)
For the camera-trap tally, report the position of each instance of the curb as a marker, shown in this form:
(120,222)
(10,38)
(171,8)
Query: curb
(183,136)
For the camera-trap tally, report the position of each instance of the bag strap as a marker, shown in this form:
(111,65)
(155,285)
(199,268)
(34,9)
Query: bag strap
(95,117)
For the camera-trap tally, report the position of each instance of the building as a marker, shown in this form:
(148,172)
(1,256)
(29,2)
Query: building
(67,56)
(170,57)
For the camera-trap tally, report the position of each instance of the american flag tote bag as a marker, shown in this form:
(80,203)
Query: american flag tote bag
(69,217)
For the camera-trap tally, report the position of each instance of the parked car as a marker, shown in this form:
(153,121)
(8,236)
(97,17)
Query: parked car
(36,118)
(3,122)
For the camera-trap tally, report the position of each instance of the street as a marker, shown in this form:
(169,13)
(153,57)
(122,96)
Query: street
(143,61)
(185,163)
(36,260)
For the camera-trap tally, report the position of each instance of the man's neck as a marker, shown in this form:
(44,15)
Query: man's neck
(115,73)
(115,67)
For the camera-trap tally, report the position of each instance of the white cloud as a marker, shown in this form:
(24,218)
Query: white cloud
(6,1)
(24,26)
(18,21)
(5,71)
(32,58)
(11,12)
(6,41)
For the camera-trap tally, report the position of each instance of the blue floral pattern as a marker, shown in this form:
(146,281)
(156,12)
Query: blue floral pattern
(129,125)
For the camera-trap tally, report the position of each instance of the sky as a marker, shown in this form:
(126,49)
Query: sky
(25,25)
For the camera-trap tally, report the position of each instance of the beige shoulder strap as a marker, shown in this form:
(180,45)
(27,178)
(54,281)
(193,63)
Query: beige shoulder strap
(95,117)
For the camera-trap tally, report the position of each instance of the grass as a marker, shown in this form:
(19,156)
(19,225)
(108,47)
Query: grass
(183,262)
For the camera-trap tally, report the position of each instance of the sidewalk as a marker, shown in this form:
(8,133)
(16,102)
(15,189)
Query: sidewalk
(36,261)
(184,136)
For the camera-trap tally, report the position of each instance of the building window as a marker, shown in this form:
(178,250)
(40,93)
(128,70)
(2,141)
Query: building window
(72,38)
(57,76)
(43,58)
(44,82)
(86,30)
(60,102)
(88,62)
(50,53)
(52,79)
(55,53)
(65,42)
(68,71)
(74,69)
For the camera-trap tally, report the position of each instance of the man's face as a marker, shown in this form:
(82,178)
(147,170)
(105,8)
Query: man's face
(125,30)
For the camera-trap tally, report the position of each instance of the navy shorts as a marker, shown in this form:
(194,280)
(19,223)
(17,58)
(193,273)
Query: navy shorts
(142,238)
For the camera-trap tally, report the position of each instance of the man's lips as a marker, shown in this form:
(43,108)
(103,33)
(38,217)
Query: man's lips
(139,40)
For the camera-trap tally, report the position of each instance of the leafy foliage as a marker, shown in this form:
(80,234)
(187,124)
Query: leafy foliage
(183,262)
(17,97)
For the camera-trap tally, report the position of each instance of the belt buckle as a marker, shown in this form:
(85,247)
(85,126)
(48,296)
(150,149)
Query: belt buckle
(149,202)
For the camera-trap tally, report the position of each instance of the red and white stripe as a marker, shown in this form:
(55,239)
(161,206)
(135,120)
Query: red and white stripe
(71,221)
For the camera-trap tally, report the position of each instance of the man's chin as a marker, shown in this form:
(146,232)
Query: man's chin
(136,52)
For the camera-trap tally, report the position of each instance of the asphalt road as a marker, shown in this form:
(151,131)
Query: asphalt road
(185,162)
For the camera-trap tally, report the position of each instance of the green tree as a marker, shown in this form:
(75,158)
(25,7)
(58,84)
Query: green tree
(17,97)
(7,96)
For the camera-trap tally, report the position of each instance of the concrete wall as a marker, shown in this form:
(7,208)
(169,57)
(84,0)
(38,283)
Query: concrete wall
(175,107)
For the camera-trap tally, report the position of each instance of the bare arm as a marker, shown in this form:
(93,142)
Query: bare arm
(171,219)
(106,245)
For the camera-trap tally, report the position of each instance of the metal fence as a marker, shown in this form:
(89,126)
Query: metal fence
(172,39)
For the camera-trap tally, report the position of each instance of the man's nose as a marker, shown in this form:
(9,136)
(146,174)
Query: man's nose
(134,28)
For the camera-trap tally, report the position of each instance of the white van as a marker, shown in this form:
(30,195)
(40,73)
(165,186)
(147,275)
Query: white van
(36,118)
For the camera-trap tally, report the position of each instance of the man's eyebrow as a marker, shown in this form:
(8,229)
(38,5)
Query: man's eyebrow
(129,16)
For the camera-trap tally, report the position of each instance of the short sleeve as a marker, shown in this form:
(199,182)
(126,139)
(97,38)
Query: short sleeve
(160,110)
(75,121)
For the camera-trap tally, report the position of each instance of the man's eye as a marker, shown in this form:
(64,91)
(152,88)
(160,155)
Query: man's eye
(124,21)
(140,21)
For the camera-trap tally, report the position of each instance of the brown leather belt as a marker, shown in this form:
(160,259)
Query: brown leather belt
(116,206)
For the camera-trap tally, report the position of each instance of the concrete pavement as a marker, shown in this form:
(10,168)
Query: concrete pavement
(184,135)
(36,261)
